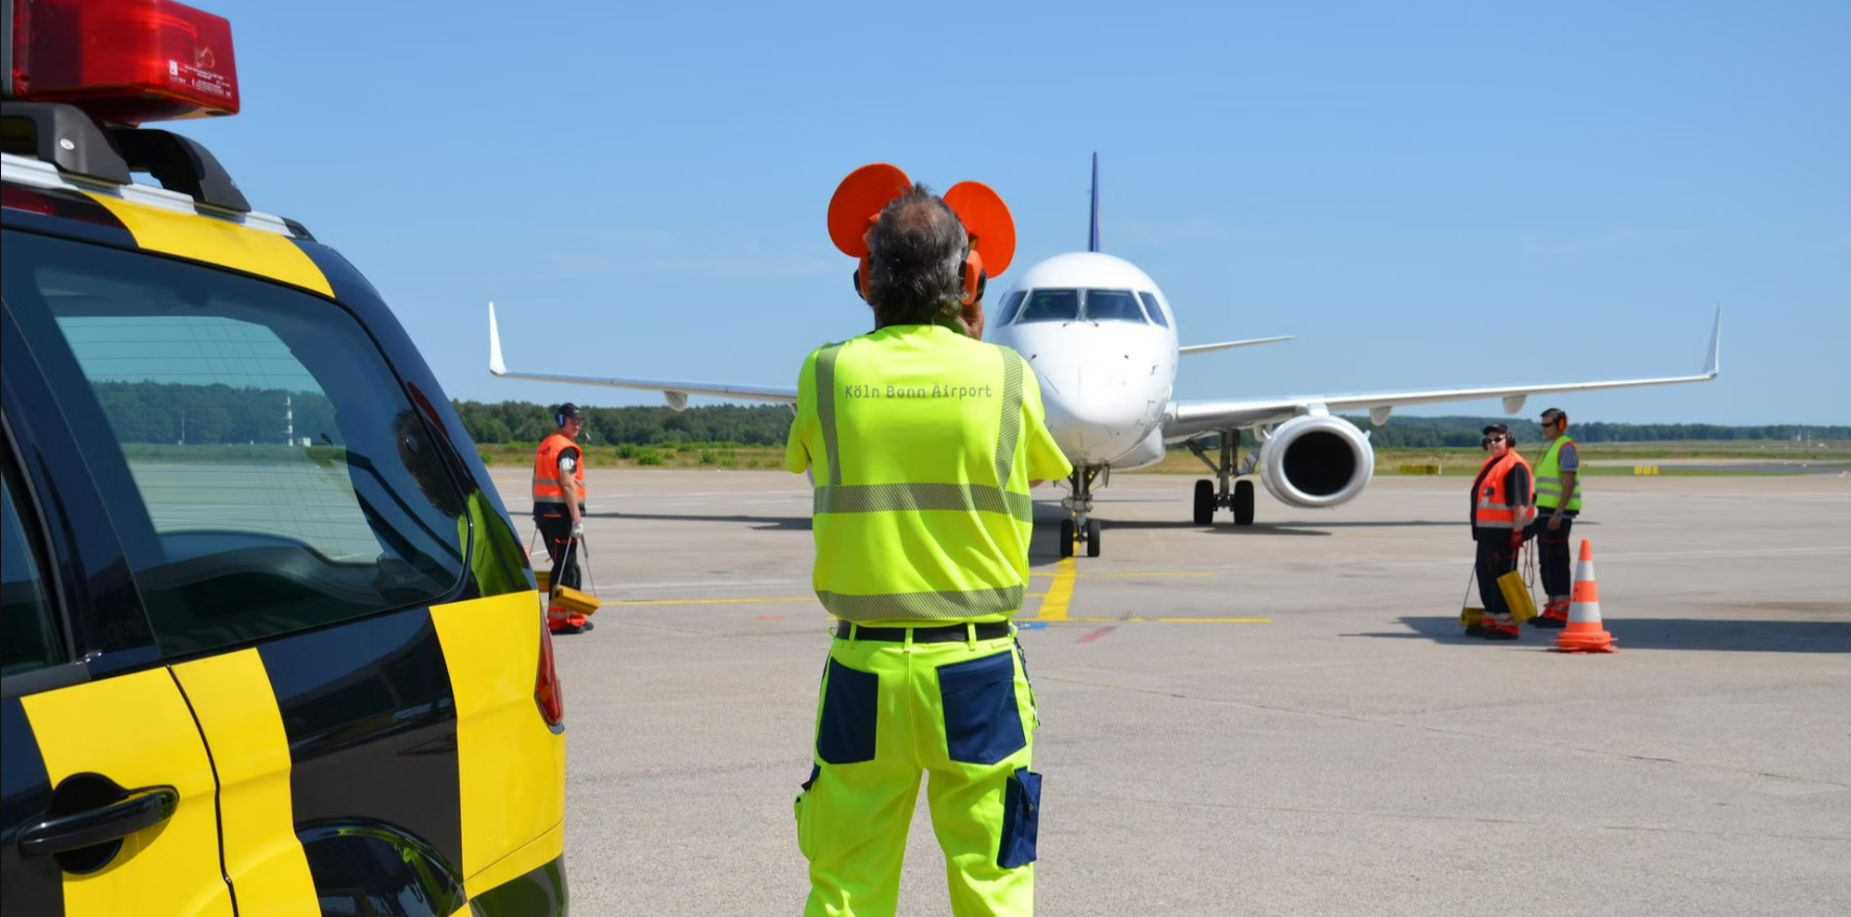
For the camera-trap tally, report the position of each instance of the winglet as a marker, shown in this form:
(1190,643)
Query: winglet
(1713,366)
(495,365)
(1092,239)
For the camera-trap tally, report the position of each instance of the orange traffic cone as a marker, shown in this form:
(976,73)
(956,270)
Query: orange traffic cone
(1584,633)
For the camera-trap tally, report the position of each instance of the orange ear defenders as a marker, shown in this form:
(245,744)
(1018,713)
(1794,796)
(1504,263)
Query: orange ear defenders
(856,207)
(858,201)
(991,229)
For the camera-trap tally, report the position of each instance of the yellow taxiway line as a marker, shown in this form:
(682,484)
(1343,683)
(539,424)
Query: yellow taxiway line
(1124,574)
(1060,592)
(1055,602)
(1176,620)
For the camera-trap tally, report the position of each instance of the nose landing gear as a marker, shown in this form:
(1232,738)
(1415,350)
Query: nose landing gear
(1082,528)
(1210,497)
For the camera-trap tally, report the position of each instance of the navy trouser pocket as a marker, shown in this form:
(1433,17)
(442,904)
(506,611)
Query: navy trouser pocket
(851,710)
(983,725)
(1021,819)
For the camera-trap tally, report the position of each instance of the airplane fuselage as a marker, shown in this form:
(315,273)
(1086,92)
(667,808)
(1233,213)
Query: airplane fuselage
(1102,342)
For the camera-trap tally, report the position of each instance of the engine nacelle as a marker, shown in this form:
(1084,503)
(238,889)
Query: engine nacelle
(1316,461)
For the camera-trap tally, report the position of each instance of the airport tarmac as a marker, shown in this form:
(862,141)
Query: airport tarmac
(1278,719)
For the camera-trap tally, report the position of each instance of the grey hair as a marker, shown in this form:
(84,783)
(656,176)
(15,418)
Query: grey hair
(913,256)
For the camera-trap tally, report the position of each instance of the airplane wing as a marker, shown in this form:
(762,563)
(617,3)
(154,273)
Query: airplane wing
(1186,419)
(676,392)
(1228,345)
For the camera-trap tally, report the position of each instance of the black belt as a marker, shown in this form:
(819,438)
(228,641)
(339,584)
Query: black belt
(949,633)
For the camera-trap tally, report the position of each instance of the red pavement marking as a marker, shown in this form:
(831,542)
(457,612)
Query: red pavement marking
(1097,634)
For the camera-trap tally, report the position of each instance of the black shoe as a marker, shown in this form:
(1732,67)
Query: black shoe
(1546,623)
(1501,635)
(1476,630)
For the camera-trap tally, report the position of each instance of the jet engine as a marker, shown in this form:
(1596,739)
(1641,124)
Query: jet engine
(1316,461)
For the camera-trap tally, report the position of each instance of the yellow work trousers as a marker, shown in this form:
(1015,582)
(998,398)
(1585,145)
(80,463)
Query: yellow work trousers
(961,712)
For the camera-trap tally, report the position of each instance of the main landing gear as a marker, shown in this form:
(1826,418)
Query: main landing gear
(1210,497)
(1079,504)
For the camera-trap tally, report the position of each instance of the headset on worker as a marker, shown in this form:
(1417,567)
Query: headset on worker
(1509,437)
(988,227)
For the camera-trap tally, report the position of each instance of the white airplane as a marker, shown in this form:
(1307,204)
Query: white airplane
(1102,339)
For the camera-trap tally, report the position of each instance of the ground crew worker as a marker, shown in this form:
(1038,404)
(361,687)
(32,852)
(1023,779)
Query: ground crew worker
(1558,502)
(924,443)
(559,510)
(1501,512)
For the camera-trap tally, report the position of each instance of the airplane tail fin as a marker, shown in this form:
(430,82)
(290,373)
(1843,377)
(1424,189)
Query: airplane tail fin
(1092,240)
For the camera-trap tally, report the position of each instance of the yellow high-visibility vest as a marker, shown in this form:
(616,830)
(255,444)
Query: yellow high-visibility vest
(1549,479)
(923,443)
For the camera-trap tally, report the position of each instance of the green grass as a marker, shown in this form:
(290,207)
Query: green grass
(228,454)
(731,456)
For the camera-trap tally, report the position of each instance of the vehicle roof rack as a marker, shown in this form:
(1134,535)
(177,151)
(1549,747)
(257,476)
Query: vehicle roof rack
(65,136)
(180,164)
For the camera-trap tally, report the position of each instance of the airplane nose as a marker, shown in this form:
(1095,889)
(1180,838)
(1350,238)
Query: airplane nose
(1095,414)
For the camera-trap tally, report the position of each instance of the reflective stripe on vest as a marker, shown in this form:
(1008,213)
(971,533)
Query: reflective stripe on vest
(546,485)
(1549,479)
(833,497)
(1494,508)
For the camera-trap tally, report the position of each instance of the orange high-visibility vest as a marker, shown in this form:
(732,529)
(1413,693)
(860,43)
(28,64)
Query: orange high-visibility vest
(547,487)
(1493,508)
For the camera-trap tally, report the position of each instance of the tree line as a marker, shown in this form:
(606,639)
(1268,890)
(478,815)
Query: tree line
(178,413)
(165,412)
(526,422)
(1435,432)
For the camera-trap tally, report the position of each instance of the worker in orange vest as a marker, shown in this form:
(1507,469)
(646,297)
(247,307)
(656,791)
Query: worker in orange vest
(559,510)
(1503,498)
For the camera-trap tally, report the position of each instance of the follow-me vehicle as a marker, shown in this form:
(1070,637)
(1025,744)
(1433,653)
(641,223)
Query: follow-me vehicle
(268,641)
(1102,340)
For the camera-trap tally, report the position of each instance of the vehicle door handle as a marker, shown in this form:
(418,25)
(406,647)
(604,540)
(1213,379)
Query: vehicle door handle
(144,808)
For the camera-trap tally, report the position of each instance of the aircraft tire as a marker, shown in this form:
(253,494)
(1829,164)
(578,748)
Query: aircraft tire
(1092,538)
(1204,502)
(1243,502)
(1066,538)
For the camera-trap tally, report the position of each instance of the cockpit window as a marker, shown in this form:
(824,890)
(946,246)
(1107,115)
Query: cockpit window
(1113,306)
(1011,303)
(1154,308)
(1050,306)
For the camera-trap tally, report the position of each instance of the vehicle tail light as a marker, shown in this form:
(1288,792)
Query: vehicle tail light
(124,61)
(548,693)
(58,203)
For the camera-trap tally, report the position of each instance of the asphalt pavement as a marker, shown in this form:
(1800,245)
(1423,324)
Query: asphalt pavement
(1276,719)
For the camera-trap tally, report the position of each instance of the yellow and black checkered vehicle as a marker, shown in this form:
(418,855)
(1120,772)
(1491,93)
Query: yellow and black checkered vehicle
(268,643)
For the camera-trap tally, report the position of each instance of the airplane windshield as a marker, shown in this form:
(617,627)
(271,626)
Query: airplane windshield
(1155,310)
(1012,302)
(1113,306)
(1050,306)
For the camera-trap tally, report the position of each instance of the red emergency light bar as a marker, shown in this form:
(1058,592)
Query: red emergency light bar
(124,61)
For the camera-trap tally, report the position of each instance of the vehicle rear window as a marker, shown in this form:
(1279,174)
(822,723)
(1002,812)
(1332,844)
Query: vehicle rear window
(1050,306)
(286,480)
(28,628)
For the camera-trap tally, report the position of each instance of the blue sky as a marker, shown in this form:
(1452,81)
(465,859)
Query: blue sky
(1427,194)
